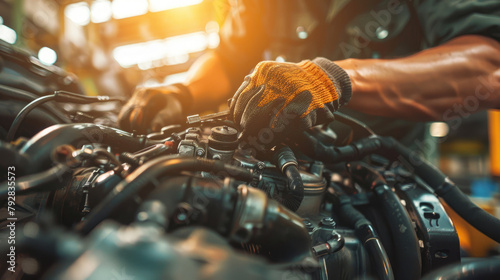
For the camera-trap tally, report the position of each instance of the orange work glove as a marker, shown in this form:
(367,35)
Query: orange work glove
(280,99)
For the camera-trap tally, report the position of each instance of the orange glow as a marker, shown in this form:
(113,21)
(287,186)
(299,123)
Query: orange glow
(170,51)
(494,132)
(100,11)
(162,5)
(78,13)
(129,8)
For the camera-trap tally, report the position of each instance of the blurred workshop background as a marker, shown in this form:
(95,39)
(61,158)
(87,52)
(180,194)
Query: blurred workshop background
(114,45)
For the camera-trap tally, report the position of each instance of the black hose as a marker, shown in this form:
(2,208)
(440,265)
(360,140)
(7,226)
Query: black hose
(60,96)
(19,94)
(39,148)
(442,186)
(295,193)
(407,260)
(23,113)
(484,269)
(352,122)
(448,191)
(243,215)
(486,223)
(286,161)
(377,253)
(12,158)
(102,152)
(366,233)
(48,180)
(151,171)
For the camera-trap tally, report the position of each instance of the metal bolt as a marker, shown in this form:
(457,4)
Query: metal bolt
(217,157)
(142,216)
(261,165)
(181,217)
(328,221)
(200,152)
(309,226)
(440,255)
(184,213)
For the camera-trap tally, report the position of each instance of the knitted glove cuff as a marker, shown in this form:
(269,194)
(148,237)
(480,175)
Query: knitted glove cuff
(338,76)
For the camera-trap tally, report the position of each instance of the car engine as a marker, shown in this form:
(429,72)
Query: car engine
(82,199)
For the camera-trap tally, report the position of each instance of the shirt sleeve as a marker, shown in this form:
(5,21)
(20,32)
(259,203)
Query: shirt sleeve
(443,20)
(242,39)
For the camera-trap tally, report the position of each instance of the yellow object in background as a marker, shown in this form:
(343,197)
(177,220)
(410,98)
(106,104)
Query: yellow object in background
(494,132)
(472,241)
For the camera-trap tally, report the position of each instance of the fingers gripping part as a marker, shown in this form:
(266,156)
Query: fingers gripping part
(284,98)
(287,80)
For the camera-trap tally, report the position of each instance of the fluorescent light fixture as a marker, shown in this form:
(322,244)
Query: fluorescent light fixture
(162,5)
(47,56)
(129,8)
(172,50)
(175,78)
(78,13)
(439,129)
(100,11)
(7,34)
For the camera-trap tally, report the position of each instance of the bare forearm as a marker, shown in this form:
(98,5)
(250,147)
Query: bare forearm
(424,86)
(208,82)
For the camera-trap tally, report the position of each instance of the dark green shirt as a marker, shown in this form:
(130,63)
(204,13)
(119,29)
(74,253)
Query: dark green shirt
(294,30)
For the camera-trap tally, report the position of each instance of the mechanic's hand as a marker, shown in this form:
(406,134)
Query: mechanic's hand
(154,108)
(280,99)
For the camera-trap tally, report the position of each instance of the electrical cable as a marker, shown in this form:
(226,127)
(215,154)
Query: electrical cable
(348,120)
(60,96)
(22,95)
(103,152)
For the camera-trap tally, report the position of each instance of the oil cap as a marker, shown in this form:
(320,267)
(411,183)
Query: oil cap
(223,138)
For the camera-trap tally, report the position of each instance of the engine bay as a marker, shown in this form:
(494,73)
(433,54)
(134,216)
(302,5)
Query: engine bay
(82,199)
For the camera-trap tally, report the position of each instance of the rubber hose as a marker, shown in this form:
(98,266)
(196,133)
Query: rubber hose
(368,236)
(407,260)
(295,194)
(141,178)
(39,148)
(443,187)
(11,157)
(285,160)
(448,191)
(486,223)
(484,269)
(19,94)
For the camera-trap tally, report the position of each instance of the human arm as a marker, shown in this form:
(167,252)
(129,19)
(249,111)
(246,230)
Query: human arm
(211,80)
(425,86)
